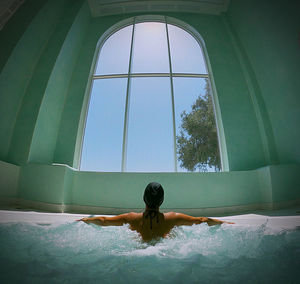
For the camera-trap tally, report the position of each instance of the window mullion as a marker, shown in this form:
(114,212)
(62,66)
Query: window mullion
(133,75)
(173,103)
(125,131)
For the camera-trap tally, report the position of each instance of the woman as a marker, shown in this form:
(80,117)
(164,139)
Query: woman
(151,223)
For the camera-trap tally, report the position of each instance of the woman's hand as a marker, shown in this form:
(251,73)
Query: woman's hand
(82,219)
(228,222)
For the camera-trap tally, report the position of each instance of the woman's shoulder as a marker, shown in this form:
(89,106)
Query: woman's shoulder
(170,215)
(134,215)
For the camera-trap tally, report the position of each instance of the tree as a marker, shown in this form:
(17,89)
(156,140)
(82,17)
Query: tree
(197,144)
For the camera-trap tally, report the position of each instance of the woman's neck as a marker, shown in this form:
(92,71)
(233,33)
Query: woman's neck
(147,209)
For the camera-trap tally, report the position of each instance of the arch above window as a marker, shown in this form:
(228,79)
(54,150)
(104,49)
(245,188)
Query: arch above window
(149,73)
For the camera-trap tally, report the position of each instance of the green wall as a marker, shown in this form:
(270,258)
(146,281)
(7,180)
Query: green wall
(59,187)
(48,51)
(11,33)
(9,179)
(18,81)
(269,33)
(52,106)
(184,190)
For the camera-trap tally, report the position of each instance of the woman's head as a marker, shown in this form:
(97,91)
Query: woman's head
(154,195)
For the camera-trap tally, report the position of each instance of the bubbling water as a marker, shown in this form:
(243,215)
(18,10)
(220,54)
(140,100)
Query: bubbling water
(77,252)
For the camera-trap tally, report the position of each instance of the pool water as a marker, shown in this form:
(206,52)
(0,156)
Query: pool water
(74,252)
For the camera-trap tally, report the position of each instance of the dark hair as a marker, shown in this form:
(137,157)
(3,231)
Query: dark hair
(154,195)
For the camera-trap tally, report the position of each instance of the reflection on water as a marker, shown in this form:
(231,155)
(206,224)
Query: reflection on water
(76,252)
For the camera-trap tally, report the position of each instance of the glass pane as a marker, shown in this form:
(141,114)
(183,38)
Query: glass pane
(150,49)
(201,126)
(114,55)
(102,147)
(150,135)
(186,54)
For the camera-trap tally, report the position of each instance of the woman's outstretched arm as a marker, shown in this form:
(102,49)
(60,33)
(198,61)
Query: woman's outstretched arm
(118,220)
(179,219)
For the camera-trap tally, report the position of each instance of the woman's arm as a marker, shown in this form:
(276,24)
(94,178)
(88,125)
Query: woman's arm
(118,220)
(179,219)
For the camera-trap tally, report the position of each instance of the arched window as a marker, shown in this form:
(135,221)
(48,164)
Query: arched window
(148,77)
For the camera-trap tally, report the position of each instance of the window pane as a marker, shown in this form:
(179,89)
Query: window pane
(150,135)
(102,147)
(186,92)
(150,50)
(186,54)
(114,55)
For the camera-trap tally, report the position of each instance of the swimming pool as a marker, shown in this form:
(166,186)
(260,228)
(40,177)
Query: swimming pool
(64,251)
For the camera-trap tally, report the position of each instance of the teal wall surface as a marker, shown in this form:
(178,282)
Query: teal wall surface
(42,183)
(24,76)
(64,187)
(47,54)
(269,34)
(184,190)
(9,180)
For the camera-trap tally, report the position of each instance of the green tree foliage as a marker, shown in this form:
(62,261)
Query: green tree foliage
(197,144)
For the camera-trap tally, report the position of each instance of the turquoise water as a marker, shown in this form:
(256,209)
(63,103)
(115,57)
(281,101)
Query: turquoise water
(81,253)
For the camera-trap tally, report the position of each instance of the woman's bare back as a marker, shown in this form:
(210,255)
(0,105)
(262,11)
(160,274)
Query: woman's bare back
(150,227)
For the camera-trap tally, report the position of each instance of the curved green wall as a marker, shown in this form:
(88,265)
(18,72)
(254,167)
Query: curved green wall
(269,34)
